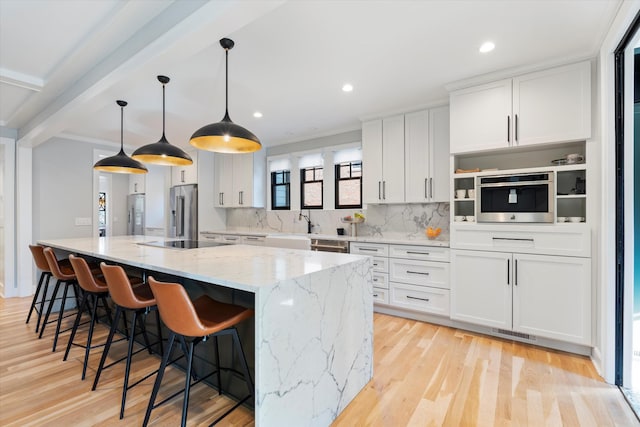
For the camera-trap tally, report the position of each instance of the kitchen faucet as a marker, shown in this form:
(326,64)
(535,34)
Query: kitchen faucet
(308,219)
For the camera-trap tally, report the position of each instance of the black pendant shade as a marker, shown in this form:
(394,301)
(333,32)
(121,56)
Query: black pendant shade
(162,152)
(120,163)
(225,136)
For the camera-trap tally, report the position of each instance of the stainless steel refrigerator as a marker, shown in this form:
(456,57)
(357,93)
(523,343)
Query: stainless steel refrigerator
(184,212)
(135,209)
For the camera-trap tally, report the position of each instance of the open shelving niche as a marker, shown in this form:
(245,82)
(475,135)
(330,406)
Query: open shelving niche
(570,199)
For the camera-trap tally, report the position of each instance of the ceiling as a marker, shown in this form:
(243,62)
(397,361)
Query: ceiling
(64,63)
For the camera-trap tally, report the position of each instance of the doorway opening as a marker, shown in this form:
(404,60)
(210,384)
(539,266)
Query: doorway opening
(627,149)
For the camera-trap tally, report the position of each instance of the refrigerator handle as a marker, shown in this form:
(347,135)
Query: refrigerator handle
(180,216)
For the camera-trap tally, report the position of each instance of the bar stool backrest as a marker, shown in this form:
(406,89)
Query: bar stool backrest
(120,288)
(86,279)
(176,309)
(52,261)
(38,257)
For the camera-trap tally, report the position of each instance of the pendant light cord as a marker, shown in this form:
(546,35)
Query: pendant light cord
(122,129)
(163,113)
(226,79)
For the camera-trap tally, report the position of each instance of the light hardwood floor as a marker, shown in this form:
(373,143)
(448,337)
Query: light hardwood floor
(424,375)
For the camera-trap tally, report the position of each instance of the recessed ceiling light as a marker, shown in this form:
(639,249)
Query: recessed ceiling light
(347,87)
(257,114)
(487,47)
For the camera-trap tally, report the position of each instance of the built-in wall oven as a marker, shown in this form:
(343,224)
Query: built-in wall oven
(515,197)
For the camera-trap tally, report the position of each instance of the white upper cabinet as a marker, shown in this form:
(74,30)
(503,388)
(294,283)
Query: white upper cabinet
(236,181)
(481,117)
(427,156)
(549,106)
(383,160)
(553,105)
(136,183)
(181,175)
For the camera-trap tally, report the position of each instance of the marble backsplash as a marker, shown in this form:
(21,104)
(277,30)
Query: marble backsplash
(402,221)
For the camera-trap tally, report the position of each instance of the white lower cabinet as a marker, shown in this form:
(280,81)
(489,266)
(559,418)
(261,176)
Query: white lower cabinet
(541,295)
(409,277)
(420,298)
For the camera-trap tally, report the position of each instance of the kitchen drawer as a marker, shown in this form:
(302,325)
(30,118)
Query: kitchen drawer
(373,249)
(422,273)
(253,240)
(380,264)
(380,296)
(426,253)
(565,240)
(209,236)
(380,280)
(230,238)
(419,298)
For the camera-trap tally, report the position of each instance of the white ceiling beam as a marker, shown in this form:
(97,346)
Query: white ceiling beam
(22,80)
(184,27)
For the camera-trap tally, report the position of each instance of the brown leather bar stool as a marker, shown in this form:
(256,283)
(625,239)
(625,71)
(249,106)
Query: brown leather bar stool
(194,322)
(127,298)
(63,275)
(94,290)
(39,299)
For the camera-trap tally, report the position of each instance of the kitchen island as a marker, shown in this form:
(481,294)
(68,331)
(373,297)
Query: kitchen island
(313,341)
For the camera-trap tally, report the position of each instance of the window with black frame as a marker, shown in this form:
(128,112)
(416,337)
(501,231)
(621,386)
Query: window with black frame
(349,185)
(311,184)
(280,190)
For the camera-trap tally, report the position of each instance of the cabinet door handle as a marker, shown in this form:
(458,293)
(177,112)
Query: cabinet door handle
(430,188)
(424,273)
(426,193)
(182,176)
(221,199)
(421,299)
(509,130)
(384,190)
(508,271)
(516,138)
(379,190)
(515,272)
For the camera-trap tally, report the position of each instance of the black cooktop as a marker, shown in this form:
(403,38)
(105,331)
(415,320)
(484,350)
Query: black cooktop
(186,244)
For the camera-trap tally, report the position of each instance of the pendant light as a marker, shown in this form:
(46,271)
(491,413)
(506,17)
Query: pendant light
(162,152)
(225,136)
(120,163)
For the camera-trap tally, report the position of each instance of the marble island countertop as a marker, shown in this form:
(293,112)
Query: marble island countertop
(241,267)
(365,239)
(313,322)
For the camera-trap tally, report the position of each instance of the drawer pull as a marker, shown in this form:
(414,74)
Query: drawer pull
(417,253)
(375,264)
(375,295)
(421,299)
(424,273)
(252,238)
(513,239)
(369,249)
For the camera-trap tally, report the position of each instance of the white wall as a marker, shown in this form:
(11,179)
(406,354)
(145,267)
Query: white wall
(63,191)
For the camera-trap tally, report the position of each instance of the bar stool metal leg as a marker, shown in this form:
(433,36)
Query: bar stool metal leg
(156,385)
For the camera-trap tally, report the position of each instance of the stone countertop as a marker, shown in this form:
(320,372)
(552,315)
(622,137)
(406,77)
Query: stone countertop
(244,267)
(365,239)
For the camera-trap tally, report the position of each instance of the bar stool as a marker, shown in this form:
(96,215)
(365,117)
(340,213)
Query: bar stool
(196,320)
(41,264)
(94,291)
(140,301)
(63,275)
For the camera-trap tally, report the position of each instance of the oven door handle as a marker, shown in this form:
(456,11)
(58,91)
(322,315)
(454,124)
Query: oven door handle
(515,184)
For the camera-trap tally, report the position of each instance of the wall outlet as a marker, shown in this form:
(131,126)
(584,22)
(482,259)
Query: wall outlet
(83,221)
